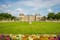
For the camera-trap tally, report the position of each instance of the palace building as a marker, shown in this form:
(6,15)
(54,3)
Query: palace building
(23,17)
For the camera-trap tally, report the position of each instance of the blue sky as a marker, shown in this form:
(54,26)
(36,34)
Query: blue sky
(43,7)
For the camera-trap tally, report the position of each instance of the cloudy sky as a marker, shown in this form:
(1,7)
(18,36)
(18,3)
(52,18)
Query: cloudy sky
(15,7)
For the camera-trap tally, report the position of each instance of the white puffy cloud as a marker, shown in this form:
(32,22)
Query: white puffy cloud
(19,10)
(50,10)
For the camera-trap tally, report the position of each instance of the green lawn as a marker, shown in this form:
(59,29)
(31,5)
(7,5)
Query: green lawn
(25,27)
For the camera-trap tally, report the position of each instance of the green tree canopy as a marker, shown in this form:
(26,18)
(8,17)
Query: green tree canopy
(4,16)
(57,15)
(51,15)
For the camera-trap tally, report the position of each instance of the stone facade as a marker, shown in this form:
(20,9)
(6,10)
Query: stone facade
(23,17)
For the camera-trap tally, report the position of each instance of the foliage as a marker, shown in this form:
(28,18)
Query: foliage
(6,16)
(51,16)
(57,15)
(44,18)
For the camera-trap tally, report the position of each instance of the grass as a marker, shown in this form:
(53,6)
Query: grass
(26,28)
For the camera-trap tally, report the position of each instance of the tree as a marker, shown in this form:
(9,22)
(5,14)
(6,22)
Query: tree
(13,18)
(57,16)
(44,18)
(51,16)
(1,17)
(6,16)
